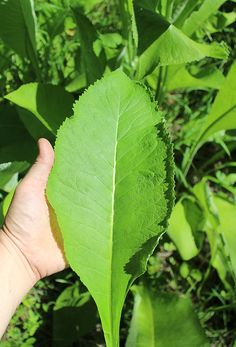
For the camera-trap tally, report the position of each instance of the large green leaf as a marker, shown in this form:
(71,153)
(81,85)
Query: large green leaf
(199,17)
(181,233)
(93,65)
(161,320)
(223,112)
(112,190)
(18,27)
(50,104)
(162,44)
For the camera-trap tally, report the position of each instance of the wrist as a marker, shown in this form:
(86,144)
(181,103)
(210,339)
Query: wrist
(16,279)
(16,260)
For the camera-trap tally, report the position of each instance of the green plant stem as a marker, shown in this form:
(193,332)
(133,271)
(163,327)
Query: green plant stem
(127,33)
(226,187)
(169,9)
(223,307)
(220,167)
(125,24)
(11,63)
(159,80)
(217,156)
(192,153)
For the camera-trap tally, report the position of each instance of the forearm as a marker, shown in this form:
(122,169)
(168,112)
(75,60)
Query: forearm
(16,279)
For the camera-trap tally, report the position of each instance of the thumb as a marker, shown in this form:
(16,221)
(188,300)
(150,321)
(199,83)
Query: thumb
(39,172)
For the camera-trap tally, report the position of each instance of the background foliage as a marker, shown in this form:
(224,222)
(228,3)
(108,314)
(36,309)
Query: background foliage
(184,51)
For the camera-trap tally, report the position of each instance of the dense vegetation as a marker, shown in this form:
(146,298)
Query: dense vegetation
(183,51)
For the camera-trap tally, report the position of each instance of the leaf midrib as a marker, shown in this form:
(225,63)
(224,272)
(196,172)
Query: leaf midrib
(112,219)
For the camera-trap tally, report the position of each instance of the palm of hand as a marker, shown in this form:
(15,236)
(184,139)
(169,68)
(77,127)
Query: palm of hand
(31,223)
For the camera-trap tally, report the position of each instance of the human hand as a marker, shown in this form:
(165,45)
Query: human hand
(30,243)
(30,225)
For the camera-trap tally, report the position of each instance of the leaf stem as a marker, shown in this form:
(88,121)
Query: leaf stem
(159,82)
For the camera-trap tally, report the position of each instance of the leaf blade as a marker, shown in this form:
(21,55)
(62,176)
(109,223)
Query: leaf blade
(118,189)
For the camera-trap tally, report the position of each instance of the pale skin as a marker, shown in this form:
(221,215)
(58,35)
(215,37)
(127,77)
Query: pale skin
(30,240)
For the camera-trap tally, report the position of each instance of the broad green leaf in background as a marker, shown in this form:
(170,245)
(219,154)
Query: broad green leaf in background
(223,112)
(82,313)
(18,27)
(9,171)
(211,227)
(198,18)
(222,116)
(194,216)
(165,8)
(162,44)
(151,5)
(180,232)
(12,129)
(162,319)
(111,43)
(93,65)
(217,22)
(179,77)
(227,217)
(50,104)
(224,19)
(182,10)
(110,40)
(1,216)
(77,83)
(15,142)
(11,179)
(7,202)
(112,190)
(34,125)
